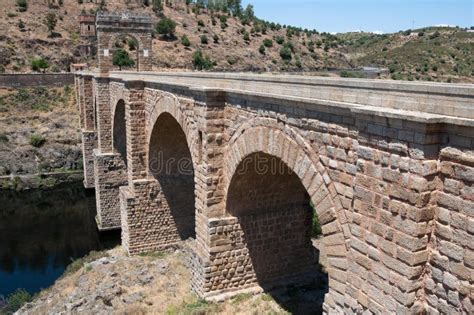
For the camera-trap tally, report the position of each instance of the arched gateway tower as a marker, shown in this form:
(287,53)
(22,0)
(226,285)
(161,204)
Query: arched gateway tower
(242,162)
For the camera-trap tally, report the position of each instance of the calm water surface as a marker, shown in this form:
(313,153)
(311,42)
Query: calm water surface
(42,231)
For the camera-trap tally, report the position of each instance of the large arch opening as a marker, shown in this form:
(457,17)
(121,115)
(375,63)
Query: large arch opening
(120,131)
(170,163)
(277,219)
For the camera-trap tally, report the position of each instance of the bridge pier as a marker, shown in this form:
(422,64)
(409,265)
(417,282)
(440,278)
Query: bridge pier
(110,175)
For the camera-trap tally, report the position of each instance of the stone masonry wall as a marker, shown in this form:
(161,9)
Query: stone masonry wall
(449,279)
(89,144)
(23,80)
(146,219)
(110,174)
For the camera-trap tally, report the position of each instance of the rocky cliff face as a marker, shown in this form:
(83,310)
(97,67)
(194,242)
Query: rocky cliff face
(39,131)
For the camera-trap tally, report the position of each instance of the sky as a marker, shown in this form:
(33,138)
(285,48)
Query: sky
(386,16)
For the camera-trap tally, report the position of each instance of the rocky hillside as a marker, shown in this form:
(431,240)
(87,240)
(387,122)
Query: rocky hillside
(39,131)
(158,283)
(235,44)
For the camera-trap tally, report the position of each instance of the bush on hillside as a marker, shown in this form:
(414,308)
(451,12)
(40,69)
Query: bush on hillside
(185,41)
(267,42)
(201,62)
(37,140)
(22,5)
(39,64)
(204,40)
(280,40)
(166,27)
(285,53)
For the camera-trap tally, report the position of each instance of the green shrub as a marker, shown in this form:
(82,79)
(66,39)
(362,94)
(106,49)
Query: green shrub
(285,53)
(121,59)
(37,140)
(216,39)
(352,74)
(267,42)
(132,43)
(201,62)
(21,25)
(185,41)
(201,23)
(39,64)
(280,40)
(22,5)
(246,36)
(3,138)
(316,227)
(166,27)
(16,300)
(298,62)
(204,40)
(262,49)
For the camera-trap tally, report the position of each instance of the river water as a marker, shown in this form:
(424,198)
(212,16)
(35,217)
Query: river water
(43,231)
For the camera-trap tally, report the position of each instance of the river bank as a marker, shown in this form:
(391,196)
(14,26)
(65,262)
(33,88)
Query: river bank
(158,283)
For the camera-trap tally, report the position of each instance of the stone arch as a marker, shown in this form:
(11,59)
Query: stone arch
(112,25)
(136,56)
(283,141)
(119,130)
(170,163)
(165,102)
(261,136)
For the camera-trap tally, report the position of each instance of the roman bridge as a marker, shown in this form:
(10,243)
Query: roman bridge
(242,163)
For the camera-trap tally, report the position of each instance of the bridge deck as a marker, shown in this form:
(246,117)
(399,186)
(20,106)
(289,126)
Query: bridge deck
(426,101)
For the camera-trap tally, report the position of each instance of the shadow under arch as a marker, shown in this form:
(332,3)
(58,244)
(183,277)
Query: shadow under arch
(275,216)
(171,164)
(119,135)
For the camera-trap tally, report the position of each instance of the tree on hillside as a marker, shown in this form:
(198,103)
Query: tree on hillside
(157,6)
(166,27)
(121,59)
(50,21)
(248,15)
(235,7)
(201,62)
(22,5)
(39,64)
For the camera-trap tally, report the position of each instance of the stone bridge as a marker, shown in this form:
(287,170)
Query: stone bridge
(242,163)
(239,162)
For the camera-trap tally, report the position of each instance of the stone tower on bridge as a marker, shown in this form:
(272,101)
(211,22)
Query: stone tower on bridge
(241,163)
(113,26)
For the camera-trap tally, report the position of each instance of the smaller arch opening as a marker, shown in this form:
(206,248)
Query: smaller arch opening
(277,227)
(120,131)
(170,163)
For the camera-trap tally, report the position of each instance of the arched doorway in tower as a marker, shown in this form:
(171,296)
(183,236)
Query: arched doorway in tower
(170,163)
(276,220)
(120,131)
(125,53)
